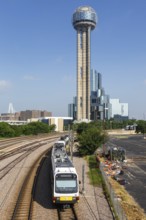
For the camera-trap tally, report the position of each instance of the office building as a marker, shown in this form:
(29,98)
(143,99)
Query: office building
(99,100)
(119,110)
(72,109)
(28,114)
(61,123)
(95,81)
(99,104)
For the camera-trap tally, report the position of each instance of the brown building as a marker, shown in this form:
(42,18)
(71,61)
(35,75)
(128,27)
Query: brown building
(10,116)
(28,114)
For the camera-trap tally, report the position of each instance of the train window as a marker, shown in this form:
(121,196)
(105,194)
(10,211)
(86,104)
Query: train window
(66,186)
(66,183)
(68,176)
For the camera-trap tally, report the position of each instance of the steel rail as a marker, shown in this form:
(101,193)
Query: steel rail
(23,205)
(67,213)
(18,149)
(12,164)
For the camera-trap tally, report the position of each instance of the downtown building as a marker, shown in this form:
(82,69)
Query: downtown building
(119,111)
(99,101)
(102,107)
(24,115)
(30,114)
(91,101)
(72,109)
(99,105)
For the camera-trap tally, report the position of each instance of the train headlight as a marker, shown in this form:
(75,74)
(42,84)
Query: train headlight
(77,198)
(55,199)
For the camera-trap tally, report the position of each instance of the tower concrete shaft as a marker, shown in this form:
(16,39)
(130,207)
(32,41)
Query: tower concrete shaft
(83,73)
(84,20)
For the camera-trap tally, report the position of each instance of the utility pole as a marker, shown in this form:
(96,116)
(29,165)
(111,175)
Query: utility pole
(72,143)
(83,178)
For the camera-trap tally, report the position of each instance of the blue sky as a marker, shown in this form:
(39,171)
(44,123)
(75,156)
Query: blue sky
(38,53)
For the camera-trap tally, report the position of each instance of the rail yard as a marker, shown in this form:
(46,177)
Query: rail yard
(25,183)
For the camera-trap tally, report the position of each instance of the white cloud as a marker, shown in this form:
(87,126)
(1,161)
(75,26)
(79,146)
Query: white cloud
(4,84)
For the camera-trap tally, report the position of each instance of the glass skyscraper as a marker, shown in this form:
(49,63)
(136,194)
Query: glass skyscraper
(99,100)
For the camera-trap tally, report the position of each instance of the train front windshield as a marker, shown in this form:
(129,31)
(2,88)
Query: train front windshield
(66,183)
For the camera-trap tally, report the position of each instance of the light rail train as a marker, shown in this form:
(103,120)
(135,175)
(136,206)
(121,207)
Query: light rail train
(64,178)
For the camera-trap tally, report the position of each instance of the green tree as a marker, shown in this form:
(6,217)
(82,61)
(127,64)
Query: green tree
(90,139)
(18,129)
(52,128)
(32,128)
(81,127)
(6,130)
(141,126)
(35,128)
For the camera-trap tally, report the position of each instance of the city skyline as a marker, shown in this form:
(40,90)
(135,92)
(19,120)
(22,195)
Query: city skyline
(38,53)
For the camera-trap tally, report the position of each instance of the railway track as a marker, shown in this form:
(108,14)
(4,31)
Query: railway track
(23,206)
(6,143)
(10,150)
(23,138)
(23,152)
(67,213)
(17,149)
(30,203)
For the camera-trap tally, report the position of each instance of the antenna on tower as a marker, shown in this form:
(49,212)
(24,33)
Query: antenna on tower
(11,109)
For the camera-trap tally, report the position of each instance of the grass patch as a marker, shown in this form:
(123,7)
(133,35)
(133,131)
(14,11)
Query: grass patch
(94,173)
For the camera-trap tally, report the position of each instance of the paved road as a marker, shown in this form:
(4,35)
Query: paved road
(135,175)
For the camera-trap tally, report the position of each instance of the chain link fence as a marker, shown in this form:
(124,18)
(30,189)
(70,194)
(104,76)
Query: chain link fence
(116,204)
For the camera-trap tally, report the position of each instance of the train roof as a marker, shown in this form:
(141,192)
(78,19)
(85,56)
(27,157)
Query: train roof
(60,159)
(63,162)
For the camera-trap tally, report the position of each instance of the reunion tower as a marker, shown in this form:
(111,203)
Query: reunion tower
(84,20)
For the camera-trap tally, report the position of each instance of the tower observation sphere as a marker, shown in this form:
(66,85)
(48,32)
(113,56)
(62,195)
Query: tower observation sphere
(84,16)
(84,20)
